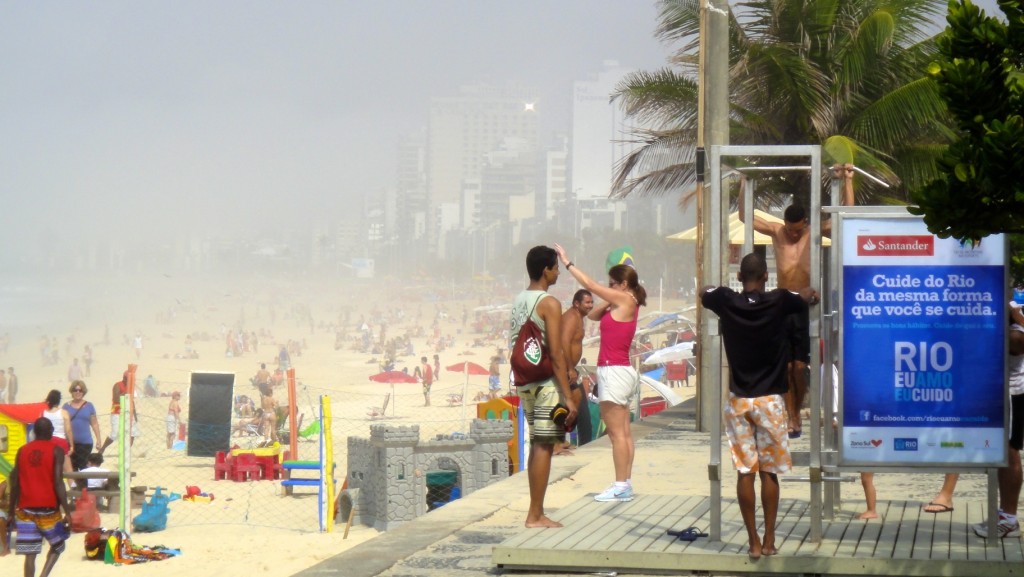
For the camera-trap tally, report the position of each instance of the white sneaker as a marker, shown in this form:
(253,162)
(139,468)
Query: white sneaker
(615,494)
(1004,528)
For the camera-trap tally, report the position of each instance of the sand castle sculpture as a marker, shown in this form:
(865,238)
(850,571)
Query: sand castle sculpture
(389,474)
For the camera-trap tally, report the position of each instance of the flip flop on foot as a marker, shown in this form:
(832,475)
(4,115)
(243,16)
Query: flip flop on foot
(769,551)
(937,508)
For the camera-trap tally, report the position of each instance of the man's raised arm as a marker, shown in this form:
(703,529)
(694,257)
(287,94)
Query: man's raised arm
(845,171)
(760,225)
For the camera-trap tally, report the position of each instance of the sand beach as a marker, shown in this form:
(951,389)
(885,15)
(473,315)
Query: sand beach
(178,319)
(250,526)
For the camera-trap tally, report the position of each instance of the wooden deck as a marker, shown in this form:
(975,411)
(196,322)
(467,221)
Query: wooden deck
(631,538)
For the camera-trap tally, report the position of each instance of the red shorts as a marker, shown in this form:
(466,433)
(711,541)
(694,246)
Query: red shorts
(63,444)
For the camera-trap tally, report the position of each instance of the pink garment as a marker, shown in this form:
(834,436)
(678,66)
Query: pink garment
(616,338)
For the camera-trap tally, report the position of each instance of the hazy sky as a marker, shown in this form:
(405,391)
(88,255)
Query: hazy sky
(139,118)
(133,117)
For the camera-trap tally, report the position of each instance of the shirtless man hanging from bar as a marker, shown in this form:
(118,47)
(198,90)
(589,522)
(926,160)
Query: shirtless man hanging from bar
(791,243)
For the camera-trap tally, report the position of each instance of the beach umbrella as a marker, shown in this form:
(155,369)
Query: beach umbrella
(677,352)
(392,377)
(662,319)
(469,368)
(737,231)
(621,255)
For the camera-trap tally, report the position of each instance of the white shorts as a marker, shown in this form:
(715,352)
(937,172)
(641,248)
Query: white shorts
(617,384)
(115,422)
(172,424)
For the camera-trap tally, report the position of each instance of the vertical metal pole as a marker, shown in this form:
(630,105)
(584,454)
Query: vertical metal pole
(831,487)
(748,209)
(712,354)
(833,491)
(814,382)
(993,506)
(124,465)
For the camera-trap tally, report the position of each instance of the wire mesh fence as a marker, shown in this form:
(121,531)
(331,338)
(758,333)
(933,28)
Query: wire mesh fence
(160,456)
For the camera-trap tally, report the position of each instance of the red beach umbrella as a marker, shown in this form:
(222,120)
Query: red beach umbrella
(393,377)
(468,367)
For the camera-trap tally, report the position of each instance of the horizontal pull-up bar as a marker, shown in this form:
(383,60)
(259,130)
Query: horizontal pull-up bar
(769,168)
(744,169)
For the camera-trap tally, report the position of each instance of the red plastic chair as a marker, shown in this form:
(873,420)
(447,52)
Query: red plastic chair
(222,466)
(245,468)
(675,374)
(270,468)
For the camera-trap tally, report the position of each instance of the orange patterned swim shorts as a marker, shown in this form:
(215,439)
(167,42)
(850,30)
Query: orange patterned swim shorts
(757,434)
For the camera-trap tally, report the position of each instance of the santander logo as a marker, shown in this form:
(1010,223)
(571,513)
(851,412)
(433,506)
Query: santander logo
(896,245)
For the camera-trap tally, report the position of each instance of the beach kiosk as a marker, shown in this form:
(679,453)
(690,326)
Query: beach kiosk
(15,422)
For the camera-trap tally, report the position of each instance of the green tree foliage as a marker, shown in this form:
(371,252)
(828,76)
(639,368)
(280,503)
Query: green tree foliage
(846,74)
(979,74)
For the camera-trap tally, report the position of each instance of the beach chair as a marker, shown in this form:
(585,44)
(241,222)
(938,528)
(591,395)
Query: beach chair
(312,431)
(375,412)
(222,466)
(675,374)
(245,468)
(454,399)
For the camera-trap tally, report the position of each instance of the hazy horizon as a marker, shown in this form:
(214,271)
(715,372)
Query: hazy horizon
(143,121)
(151,118)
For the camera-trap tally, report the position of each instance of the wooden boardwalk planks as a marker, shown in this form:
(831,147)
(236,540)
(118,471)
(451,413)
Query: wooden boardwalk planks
(631,537)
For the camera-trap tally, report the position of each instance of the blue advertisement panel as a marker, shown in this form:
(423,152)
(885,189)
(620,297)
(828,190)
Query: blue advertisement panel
(923,330)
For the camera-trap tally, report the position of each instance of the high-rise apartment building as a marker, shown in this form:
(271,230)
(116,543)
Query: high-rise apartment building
(600,135)
(462,131)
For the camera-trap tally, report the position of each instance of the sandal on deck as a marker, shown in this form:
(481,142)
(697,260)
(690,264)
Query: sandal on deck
(690,534)
(941,508)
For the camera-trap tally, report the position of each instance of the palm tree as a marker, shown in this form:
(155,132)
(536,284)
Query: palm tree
(846,74)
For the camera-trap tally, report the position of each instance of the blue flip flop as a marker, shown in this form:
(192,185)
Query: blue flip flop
(690,534)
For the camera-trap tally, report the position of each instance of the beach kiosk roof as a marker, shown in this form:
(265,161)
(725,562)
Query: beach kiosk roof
(736,231)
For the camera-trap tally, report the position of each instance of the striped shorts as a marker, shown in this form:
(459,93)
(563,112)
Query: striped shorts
(537,400)
(34,525)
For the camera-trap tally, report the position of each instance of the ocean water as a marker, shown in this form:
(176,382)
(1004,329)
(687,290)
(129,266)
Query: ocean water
(28,305)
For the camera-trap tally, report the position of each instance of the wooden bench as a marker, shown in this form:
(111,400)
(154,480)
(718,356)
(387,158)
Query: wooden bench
(112,491)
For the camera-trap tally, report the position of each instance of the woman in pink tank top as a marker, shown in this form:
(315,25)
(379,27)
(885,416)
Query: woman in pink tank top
(617,381)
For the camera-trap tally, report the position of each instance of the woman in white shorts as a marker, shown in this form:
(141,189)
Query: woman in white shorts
(617,380)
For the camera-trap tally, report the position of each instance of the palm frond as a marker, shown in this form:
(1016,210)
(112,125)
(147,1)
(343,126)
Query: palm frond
(899,115)
(662,162)
(663,96)
(847,74)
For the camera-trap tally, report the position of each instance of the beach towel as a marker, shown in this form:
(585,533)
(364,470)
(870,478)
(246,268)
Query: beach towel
(115,547)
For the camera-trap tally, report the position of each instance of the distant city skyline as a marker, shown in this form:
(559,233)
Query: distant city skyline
(128,124)
(150,120)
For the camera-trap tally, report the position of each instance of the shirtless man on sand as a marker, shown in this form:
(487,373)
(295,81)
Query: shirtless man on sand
(791,242)
(572,345)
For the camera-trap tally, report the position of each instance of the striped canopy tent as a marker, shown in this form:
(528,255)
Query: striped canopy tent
(737,229)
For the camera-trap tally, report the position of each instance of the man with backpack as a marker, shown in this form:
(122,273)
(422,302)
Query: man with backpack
(540,374)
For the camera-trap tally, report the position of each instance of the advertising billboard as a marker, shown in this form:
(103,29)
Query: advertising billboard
(923,346)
